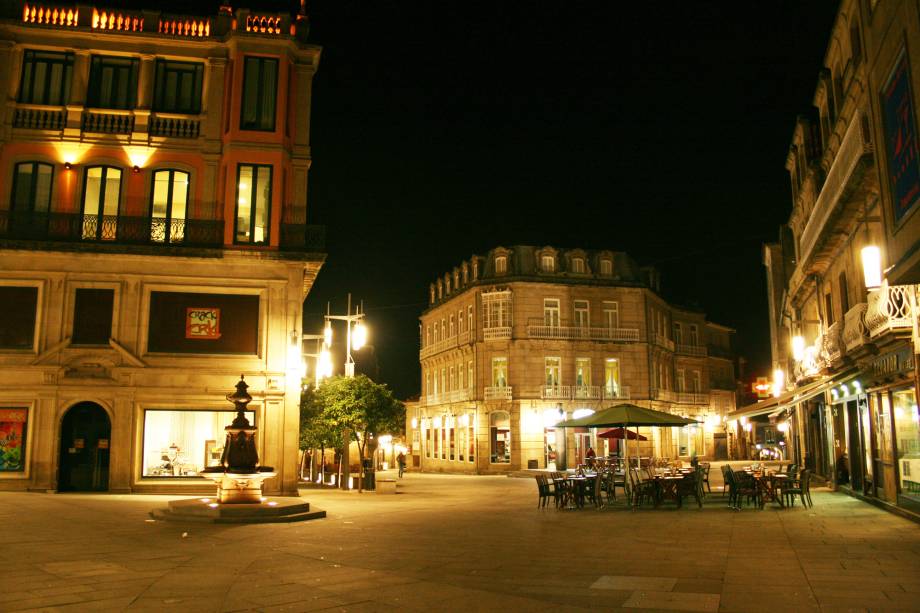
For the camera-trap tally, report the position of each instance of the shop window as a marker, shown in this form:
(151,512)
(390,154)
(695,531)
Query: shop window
(907,433)
(46,77)
(101,197)
(32,187)
(260,85)
(178,87)
(168,206)
(182,443)
(17,326)
(112,83)
(451,441)
(92,316)
(253,203)
(471,438)
(500,436)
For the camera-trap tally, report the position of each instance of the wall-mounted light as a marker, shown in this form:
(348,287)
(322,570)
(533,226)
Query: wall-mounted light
(798,347)
(779,382)
(136,169)
(872,266)
(68,166)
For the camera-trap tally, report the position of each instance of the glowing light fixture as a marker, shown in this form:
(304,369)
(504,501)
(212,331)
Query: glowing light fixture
(359,336)
(782,427)
(68,166)
(414,423)
(324,366)
(779,382)
(327,334)
(582,413)
(798,347)
(872,266)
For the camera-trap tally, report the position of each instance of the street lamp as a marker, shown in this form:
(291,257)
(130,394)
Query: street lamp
(355,334)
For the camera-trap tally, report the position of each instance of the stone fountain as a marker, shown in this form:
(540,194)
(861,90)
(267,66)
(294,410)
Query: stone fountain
(239,479)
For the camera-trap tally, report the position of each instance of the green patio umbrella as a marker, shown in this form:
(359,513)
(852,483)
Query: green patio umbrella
(625,415)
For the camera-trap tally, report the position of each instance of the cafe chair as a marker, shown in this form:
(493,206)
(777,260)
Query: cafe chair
(705,466)
(543,490)
(800,487)
(691,485)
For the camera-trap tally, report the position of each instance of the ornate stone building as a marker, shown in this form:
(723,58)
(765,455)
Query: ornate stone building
(842,277)
(153,241)
(517,340)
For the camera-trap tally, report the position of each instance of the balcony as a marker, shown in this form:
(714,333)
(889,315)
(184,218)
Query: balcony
(698,398)
(889,310)
(497,393)
(855,333)
(449,343)
(448,397)
(79,228)
(38,117)
(698,351)
(556,392)
(615,392)
(302,237)
(853,157)
(663,394)
(833,342)
(664,342)
(537,328)
(496,333)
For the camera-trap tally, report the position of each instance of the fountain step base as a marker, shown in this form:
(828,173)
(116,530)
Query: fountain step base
(207,510)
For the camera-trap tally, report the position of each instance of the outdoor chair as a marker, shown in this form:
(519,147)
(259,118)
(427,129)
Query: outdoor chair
(726,480)
(559,487)
(595,493)
(543,490)
(746,488)
(705,466)
(792,470)
(691,485)
(641,490)
(800,487)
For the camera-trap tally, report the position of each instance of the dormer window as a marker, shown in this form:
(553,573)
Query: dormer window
(578,265)
(501,265)
(548,263)
(606,268)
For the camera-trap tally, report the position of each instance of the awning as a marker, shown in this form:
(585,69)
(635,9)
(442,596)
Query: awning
(775,406)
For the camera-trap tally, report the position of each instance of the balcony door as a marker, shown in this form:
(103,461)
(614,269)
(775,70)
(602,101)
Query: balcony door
(101,197)
(31,198)
(168,206)
(551,312)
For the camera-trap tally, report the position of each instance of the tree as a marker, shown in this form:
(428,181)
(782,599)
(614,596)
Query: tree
(366,408)
(316,432)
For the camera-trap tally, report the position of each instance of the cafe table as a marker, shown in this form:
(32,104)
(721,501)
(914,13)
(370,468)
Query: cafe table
(770,485)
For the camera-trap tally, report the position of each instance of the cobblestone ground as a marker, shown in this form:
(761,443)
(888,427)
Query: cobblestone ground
(456,543)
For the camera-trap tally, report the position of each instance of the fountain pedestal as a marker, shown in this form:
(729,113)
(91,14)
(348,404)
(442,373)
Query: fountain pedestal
(234,488)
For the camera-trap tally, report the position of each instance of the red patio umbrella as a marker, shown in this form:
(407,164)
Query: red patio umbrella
(619,433)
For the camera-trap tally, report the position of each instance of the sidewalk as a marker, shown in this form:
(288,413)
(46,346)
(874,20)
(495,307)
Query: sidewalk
(457,543)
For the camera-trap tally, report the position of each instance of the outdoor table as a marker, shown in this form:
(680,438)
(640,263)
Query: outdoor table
(771,486)
(579,484)
(667,486)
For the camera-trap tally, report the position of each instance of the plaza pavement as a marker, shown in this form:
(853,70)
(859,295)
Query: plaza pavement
(457,543)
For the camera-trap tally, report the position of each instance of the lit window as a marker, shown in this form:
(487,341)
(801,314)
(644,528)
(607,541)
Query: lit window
(548,263)
(501,265)
(553,371)
(168,206)
(183,443)
(499,372)
(578,265)
(101,197)
(254,195)
(500,437)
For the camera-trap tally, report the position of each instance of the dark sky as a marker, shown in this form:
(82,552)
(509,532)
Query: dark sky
(443,129)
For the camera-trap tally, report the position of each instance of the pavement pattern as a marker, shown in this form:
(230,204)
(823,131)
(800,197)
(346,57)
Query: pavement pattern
(458,543)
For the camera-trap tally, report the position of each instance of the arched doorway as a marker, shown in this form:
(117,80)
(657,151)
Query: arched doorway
(84,456)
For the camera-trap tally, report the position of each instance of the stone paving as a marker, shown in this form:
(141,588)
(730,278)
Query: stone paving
(458,543)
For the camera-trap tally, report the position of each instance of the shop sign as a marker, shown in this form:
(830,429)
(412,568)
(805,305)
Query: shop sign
(901,138)
(893,362)
(202,323)
(13,425)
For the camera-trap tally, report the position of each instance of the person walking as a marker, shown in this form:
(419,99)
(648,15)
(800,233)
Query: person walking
(401,461)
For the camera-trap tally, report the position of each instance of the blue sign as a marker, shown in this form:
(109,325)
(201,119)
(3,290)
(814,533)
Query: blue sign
(901,139)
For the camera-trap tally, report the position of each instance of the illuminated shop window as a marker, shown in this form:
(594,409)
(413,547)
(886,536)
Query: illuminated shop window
(500,435)
(183,443)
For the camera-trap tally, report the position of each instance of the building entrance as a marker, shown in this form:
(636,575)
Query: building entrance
(84,453)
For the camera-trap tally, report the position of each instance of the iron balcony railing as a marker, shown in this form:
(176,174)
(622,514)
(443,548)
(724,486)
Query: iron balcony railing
(502,392)
(692,350)
(77,227)
(889,309)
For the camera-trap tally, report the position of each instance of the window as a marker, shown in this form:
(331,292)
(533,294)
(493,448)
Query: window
(582,372)
(428,390)
(688,440)
(460,384)
(678,333)
(444,330)
(694,335)
(612,377)
(254,196)
(112,83)
(453,380)
(260,85)
(496,308)
(168,204)
(178,87)
(499,372)
(582,319)
(471,437)
(844,294)
(501,265)
(451,331)
(428,336)
(32,187)
(681,380)
(443,379)
(450,438)
(101,197)
(553,371)
(829,308)
(46,77)
(428,438)
(469,316)
(551,312)
(92,316)
(183,443)
(578,265)
(469,374)
(460,321)
(17,326)
(500,435)
(611,315)
(696,385)
(548,263)
(606,268)
(437,333)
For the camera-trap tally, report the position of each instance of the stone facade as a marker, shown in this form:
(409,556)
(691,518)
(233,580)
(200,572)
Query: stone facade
(517,340)
(154,242)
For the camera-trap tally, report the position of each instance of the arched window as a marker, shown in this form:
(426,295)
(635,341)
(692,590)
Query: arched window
(101,197)
(32,187)
(168,206)
(500,436)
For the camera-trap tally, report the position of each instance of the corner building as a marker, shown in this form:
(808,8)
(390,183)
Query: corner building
(153,240)
(515,341)
(843,276)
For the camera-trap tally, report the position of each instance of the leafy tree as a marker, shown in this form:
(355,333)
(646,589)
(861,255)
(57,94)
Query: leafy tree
(364,407)
(317,432)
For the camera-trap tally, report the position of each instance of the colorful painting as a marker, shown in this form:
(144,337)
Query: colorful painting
(202,323)
(901,139)
(13,424)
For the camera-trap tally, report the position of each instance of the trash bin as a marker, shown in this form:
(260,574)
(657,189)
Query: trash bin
(531,464)
(369,478)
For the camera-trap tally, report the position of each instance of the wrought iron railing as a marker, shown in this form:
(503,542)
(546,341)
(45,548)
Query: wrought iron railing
(497,393)
(77,227)
(303,237)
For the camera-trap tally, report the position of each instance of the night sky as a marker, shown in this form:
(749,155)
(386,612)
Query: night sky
(443,129)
